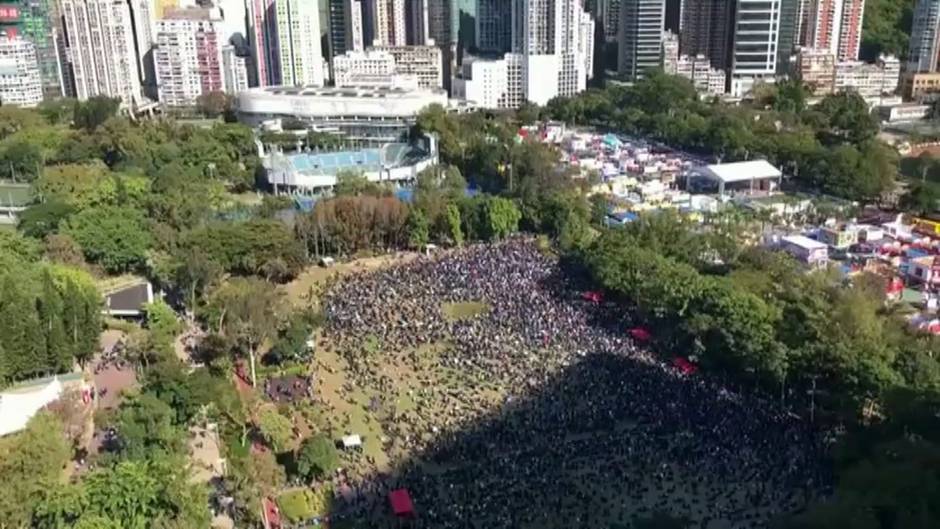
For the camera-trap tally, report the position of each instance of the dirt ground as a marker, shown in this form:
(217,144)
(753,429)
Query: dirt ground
(305,290)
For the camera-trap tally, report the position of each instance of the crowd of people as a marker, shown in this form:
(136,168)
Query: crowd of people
(589,429)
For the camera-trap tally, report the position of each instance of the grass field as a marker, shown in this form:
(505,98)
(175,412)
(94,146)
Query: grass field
(464,310)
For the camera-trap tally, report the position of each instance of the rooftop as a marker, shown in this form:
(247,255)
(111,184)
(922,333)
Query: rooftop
(367,91)
(804,242)
(742,171)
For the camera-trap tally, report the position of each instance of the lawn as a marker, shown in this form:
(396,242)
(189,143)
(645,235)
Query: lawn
(464,310)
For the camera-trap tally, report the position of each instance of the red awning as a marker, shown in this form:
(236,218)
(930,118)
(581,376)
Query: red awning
(641,334)
(684,366)
(401,504)
(272,514)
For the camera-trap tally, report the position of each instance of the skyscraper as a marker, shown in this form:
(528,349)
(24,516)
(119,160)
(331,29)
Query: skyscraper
(188,55)
(707,29)
(101,50)
(345,27)
(41,26)
(298,43)
(262,40)
(385,22)
(835,25)
(493,26)
(925,37)
(640,36)
(754,52)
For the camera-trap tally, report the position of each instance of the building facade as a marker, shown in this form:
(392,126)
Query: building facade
(705,78)
(816,69)
(20,78)
(836,25)
(234,70)
(385,23)
(754,50)
(299,50)
(262,41)
(188,56)
(869,80)
(640,36)
(925,37)
(707,29)
(493,29)
(41,25)
(101,50)
(424,62)
(483,82)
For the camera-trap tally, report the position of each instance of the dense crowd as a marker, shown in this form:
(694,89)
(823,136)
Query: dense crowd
(589,429)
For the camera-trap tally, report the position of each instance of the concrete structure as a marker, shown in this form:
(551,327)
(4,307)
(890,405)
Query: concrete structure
(707,80)
(345,27)
(42,25)
(670,54)
(903,112)
(836,26)
(754,52)
(20,79)
(145,40)
(101,50)
(367,115)
(425,62)
(817,70)
(188,56)
(608,12)
(234,70)
(925,37)
(298,43)
(916,86)
(483,82)
(707,29)
(640,36)
(375,68)
(869,80)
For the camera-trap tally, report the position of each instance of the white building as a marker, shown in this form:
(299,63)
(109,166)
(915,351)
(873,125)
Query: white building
(754,53)
(234,70)
(925,37)
(425,62)
(550,38)
(869,80)
(299,52)
(188,56)
(835,25)
(101,49)
(367,115)
(670,57)
(20,82)
(640,36)
(697,69)
(372,68)
(483,82)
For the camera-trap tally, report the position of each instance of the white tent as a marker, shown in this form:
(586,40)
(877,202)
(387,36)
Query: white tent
(352,441)
(17,407)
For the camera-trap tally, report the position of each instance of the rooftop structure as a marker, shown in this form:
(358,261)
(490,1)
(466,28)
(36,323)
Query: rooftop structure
(759,175)
(374,115)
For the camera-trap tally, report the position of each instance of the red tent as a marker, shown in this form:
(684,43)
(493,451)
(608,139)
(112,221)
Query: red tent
(684,366)
(641,334)
(592,296)
(272,515)
(401,504)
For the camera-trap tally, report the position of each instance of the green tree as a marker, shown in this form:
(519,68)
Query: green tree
(502,217)
(317,457)
(418,229)
(114,237)
(276,429)
(20,160)
(886,28)
(848,118)
(355,183)
(94,112)
(41,220)
(248,309)
(453,220)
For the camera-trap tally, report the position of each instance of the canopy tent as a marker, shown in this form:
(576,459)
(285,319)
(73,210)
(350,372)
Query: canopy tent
(641,334)
(351,441)
(401,504)
(17,407)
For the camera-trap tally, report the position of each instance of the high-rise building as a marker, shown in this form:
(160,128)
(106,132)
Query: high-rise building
(670,52)
(925,37)
(20,80)
(835,25)
(786,34)
(371,68)
(707,29)
(188,56)
(234,70)
(298,43)
(144,40)
(640,36)
(816,69)
(494,26)
(385,22)
(101,50)
(754,52)
(41,25)
(262,42)
(345,27)
(484,82)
